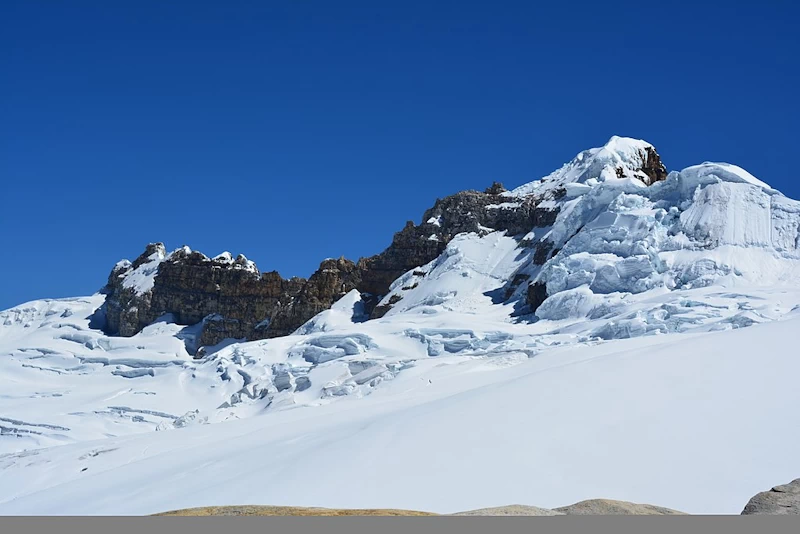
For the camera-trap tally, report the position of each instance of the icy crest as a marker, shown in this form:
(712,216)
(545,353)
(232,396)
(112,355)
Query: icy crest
(240,262)
(615,236)
(710,223)
(619,159)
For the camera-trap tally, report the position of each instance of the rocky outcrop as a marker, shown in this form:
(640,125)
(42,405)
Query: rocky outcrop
(467,211)
(653,167)
(612,507)
(411,247)
(333,280)
(780,500)
(234,301)
(127,307)
(230,297)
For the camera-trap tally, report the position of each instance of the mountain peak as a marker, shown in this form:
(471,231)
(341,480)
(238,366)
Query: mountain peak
(621,158)
(626,144)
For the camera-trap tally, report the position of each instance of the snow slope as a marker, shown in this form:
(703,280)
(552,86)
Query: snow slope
(659,368)
(689,423)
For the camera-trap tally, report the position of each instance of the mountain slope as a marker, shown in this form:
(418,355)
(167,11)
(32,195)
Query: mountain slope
(690,424)
(612,330)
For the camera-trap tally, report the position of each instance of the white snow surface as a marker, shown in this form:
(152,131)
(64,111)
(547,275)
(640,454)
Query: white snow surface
(142,278)
(660,369)
(594,165)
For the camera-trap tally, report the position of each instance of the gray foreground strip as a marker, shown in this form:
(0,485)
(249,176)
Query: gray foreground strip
(404,525)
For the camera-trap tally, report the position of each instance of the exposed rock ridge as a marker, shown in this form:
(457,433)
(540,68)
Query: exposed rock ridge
(233,299)
(467,211)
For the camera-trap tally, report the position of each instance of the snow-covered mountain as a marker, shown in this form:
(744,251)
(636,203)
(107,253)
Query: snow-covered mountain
(611,330)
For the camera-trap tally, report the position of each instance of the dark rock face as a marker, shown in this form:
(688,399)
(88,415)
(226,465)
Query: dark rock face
(542,252)
(382,309)
(780,500)
(333,280)
(495,189)
(191,286)
(411,247)
(515,282)
(231,298)
(472,211)
(653,167)
(238,302)
(127,312)
(537,293)
(467,211)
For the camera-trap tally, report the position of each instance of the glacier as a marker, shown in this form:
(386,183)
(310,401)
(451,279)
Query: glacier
(637,348)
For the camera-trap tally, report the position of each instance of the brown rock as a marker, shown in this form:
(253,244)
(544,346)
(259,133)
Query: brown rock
(653,167)
(495,189)
(333,280)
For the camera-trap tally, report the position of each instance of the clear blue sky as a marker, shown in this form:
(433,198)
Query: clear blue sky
(292,131)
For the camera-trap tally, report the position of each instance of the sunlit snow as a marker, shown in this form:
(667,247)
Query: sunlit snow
(661,368)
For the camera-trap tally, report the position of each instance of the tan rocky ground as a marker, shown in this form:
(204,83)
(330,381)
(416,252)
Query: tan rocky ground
(514,509)
(286,511)
(590,507)
(780,500)
(612,507)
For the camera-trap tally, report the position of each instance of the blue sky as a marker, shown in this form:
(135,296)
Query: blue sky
(295,131)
